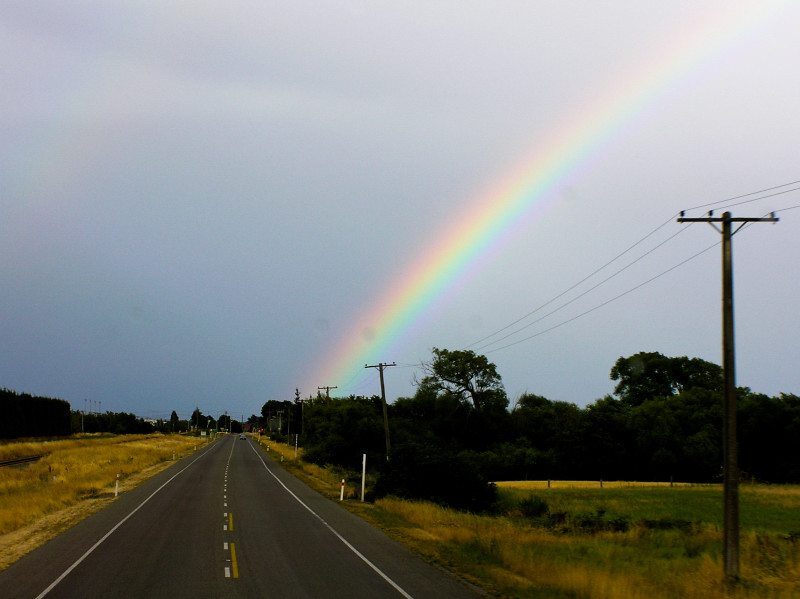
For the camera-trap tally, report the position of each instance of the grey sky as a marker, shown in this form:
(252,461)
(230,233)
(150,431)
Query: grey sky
(199,200)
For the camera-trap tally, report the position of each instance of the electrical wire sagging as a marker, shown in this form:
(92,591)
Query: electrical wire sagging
(489,343)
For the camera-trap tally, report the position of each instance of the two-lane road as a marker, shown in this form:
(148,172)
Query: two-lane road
(225,522)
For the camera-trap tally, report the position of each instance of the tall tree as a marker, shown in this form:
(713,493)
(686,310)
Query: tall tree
(174,422)
(465,375)
(649,375)
(198,419)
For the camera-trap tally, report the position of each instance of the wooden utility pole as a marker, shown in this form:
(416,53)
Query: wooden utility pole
(302,402)
(327,392)
(381,366)
(730,473)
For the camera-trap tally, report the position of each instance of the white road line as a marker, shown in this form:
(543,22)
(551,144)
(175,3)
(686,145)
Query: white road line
(225,491)
(110,532)
(229,458)
(360,555)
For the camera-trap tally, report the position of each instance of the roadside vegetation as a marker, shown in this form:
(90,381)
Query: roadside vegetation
(457,438)
(74,477)
(576,539)
(663,422)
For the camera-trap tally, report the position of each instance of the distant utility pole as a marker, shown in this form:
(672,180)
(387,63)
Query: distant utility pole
(381,366)
(730,553)
(327,392)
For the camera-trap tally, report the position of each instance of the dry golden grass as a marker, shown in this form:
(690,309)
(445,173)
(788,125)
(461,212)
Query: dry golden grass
(323,480)
(530,485)
(75,478)
(518,560)
(281,449)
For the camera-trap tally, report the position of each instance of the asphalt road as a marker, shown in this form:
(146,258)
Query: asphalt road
(225,522)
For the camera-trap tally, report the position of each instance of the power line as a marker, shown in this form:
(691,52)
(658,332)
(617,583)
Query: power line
(358,374)
(605,303)
(615,298)
(617,257)
(583,280)
(746,195)
(772,195)
(579,296)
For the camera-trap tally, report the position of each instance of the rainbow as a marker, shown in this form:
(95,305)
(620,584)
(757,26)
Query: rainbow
(528,190)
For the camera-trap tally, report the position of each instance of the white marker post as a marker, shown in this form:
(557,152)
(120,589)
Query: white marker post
(341,496)
(116,491)
(363,475)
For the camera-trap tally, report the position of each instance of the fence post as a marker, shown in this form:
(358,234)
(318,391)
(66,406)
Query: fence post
(363,475)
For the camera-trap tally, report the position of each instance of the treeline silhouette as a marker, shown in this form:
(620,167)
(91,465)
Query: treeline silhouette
(663,422)
(116,423)
(24,415)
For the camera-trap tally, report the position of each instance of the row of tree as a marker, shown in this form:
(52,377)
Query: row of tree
(199,421)
(27,415)
(123,423)
(663,422)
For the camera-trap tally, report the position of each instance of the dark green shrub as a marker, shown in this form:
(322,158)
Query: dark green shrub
(431,473)
(533,507)
(666,524)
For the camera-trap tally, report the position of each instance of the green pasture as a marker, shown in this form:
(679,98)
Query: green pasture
(762,508)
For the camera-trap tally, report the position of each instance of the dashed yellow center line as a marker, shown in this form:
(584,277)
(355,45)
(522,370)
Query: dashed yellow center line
(234,564)
(230,521)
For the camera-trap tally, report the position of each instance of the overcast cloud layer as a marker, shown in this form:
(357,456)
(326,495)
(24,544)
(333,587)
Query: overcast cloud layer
(200,199)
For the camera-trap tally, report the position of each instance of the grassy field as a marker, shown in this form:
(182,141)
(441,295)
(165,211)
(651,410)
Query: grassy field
(763,508)
(578,540)
(76,477)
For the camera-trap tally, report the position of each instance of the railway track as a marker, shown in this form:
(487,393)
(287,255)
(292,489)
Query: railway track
(21,461)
